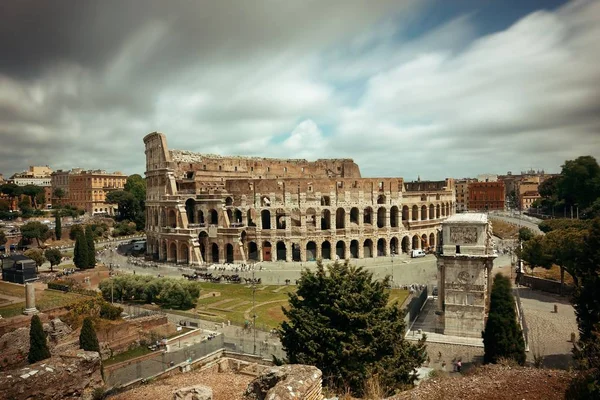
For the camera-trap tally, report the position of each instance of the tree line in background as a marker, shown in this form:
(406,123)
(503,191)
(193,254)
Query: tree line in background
(167,292)
(576,191)
(131,203)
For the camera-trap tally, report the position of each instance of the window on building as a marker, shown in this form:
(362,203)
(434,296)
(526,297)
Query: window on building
(457,249)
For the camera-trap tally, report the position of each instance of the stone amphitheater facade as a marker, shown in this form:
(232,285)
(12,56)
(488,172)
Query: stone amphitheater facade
(204,208)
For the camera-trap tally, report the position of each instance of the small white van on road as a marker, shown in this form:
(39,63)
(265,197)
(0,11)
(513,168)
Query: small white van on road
(417,253)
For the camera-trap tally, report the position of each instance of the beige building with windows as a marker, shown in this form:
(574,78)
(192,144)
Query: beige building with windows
(87,190)
(35,175)
(211,209)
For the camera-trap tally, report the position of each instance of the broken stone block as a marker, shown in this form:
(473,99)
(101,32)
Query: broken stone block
(197,392)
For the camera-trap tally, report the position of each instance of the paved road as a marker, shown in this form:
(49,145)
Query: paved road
(529,222)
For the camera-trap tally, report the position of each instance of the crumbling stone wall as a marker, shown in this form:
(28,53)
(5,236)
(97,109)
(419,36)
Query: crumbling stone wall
(287,382)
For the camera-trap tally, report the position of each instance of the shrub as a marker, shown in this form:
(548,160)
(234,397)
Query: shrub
(38,347)
(108,311)
(88,340)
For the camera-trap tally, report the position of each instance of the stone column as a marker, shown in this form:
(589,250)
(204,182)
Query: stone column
(288,251)
(318,254)
(361,252)
(30,300)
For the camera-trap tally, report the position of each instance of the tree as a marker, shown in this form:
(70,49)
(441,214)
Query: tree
(36,255)
(57,226)
(33,191)
(502,337)
(76,230)
(128,205)
(340,322)
(54,256)
(525,234)
(3,238)
(80,253)
(91,248)
(59,193)
(35,230)
(25,205)
(88,340)
(580,182)
(38,347)
(12,191)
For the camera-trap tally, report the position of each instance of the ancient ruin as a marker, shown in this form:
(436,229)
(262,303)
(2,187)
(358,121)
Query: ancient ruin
(464,274)
(212,209)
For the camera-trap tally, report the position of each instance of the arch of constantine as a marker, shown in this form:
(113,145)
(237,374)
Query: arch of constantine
(212,209)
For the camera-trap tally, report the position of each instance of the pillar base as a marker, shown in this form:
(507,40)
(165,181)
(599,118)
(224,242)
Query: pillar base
(31,311)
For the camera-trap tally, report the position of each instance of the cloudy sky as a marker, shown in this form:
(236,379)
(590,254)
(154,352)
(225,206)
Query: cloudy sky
(405,88)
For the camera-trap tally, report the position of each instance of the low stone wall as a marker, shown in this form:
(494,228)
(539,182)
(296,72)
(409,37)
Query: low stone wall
(287,382)
(545,285)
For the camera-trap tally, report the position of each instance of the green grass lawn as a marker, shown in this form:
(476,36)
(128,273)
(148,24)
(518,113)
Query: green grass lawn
(12,289)
(128,355)
(235,304)
(45,300)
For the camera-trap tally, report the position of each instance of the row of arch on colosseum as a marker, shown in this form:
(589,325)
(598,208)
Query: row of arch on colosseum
(180,251)
(311,218)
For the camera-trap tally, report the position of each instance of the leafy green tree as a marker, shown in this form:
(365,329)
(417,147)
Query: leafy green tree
(91,247)
(33,192)
(88,340)
(340,321)
(502,337)
(80,254)
(57,226)
(12,191)
(128,205)
(36,255)
(54,256)
(25,205)
(35,230)
(38,347)
(525,234)
(75,231)
(550,225)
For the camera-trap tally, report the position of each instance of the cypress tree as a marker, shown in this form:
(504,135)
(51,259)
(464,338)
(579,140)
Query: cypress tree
(88,340)
(503,337)
(80,254)
(57,226)
(91,247)
(38,347)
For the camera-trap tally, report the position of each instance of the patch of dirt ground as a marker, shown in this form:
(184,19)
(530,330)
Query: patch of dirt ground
(225,386)
(496,382)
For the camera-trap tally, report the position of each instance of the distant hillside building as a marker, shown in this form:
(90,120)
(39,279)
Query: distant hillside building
(87,189)
(35,175)
(18,269)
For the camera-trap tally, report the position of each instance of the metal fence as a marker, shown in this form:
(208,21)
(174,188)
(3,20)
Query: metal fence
(159,362)
(521,318)
(414,307)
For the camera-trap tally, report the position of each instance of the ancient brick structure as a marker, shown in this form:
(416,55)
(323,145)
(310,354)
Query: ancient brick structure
(207,208)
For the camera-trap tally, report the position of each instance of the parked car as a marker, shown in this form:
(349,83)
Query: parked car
(417,253)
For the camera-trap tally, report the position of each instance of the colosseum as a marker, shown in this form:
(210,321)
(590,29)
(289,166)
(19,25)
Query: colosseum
(204,208)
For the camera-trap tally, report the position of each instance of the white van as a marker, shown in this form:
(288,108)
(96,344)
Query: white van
(139,245)
(417,253)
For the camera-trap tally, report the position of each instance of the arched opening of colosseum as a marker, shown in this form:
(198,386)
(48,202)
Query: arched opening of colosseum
(203,251)
(368,248)
(265,217)
(325,219)
(311,251)
(280,218)
(281,251)
(394,246)
(340,218)
(437,211)
(266,250)
(183,256)
(237,217)
(340,250)
(172,252)
(423,213)
(252,251)
(243,236)
(381,199)
(164,251)
(251,217)
(368,216)
(326,250)
(415,213)
(155,218)
(380,247)
(394,217)
(229,251)
(311,218)
(214,217)
(295,252)
(265,201)
(325,201)
(405,244)
(295,218)
(447,207)
(415,242)
(163,218)
(201,217)
(229,201)
(230,216)
(424,241)
(215,252)
(381,214)
(354,216)
(431,211)
(432,239)
(354,249)
(172,219)
(190,205)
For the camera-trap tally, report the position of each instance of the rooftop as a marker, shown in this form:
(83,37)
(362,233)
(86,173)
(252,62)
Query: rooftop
(467,218)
